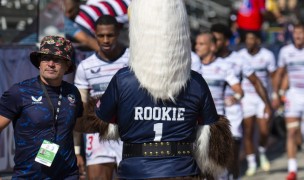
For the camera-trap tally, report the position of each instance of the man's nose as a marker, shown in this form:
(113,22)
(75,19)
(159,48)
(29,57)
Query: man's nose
(51,63)
(106,39)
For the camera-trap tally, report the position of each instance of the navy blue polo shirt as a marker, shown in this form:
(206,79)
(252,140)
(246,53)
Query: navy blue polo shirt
(140,119)
(26,105)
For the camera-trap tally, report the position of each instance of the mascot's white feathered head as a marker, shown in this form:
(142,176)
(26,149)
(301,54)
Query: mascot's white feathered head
(160,48)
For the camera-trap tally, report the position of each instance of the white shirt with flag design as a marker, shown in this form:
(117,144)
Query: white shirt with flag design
(293,59)
(217,74)
(95,74)
(263,63)
(240,67)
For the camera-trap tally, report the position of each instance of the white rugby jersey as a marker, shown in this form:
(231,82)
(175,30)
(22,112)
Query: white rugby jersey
(195,62)
(94,73)
(217,74)
(293,59)
(240,67)
(263,63)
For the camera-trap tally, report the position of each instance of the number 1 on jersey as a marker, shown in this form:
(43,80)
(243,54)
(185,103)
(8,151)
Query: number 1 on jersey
(158,128)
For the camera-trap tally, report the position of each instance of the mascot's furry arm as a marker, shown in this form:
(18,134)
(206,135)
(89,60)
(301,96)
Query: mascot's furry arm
(214,147)
(90,123)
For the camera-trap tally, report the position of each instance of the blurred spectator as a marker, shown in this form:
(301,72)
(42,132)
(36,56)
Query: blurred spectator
(83,17)
(273,7)
(93,9)
(234,39)
(72,30)
(287,5)
(250,16)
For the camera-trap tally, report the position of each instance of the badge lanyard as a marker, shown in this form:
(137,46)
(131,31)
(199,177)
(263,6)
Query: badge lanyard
(55,113)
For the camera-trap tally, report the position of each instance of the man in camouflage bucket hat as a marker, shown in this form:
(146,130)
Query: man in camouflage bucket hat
(43,110)
(54,46)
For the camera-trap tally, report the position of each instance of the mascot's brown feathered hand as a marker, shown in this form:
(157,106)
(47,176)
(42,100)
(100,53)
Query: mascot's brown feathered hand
(214,147)
(90,123)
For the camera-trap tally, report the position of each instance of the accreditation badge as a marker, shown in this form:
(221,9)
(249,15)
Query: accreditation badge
(47,153)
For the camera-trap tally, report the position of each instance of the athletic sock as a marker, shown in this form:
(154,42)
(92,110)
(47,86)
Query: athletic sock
(251,161)
(262,150)
(292,165)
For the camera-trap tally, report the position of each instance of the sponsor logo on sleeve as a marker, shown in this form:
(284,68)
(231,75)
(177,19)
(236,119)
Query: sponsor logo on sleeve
(36,100)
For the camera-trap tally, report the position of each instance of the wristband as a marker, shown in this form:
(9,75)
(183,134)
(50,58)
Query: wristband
(237,96)
(274,95)
(77,150)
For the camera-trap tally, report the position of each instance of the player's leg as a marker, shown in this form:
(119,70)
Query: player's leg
(249,110)
(101,171)
(293,112)
(264,133)
(263,124)
(249,126)
(292,125)
(116,149)
(299,138)
(100,163)
(234,114)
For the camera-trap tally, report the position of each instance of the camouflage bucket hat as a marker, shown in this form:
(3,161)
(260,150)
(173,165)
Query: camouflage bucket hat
(57,46)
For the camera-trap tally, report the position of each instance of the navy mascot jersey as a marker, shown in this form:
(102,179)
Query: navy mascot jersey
(140,120)
(26,105)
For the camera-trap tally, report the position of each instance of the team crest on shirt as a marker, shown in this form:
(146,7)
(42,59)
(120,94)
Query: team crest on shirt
(36,100)
(71,98)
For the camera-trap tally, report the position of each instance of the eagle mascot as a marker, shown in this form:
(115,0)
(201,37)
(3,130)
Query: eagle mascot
(159,87)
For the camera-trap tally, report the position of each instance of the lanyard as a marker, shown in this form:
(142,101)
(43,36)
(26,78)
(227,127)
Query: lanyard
(55,113)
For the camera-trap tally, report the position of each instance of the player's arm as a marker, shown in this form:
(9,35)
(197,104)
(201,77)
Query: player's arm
(77,136)
(281,72)
(10,106)
(3,122)
(235,84)
(238,91)
(275,88)
(283,86)
(279,76)
(260,89)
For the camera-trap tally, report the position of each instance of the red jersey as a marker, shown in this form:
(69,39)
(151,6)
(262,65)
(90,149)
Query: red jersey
(250,14)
